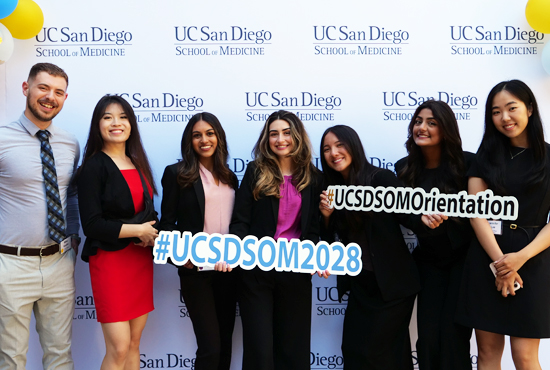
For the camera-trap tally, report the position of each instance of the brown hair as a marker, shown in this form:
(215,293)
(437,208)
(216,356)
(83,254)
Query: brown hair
(50,69)
(268,172)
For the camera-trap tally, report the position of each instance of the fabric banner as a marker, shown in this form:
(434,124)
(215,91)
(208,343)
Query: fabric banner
(364,64)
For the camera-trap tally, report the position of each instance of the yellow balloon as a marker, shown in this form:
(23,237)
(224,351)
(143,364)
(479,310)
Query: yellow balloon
(537,13)
(26,21)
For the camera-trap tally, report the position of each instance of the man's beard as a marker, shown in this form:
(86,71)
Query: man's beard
(39,115)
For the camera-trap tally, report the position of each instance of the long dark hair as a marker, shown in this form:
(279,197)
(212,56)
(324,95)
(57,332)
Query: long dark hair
(134,146)
(361,170)
(495,146)
(188,168)
(361,173)
(452,157)
(268,172)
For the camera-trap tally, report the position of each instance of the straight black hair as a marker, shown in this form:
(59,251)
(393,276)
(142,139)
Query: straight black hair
(361,170)
(361,173)
(495,146)
(134,146)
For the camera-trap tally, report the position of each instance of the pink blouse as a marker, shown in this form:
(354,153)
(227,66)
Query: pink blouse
(290,211)
(218,203)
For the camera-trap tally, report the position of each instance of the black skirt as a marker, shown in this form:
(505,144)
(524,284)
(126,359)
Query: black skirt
(481,306)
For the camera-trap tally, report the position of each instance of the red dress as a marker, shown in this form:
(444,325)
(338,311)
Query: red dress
(122,281)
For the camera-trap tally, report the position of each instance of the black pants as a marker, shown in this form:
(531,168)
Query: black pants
(376,332)
(210,298)
(276,315)
(442,344)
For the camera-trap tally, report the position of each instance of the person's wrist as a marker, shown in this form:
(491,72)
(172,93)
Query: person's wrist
(76,238)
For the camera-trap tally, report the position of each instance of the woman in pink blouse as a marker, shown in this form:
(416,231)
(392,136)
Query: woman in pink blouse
(278,198)
(198,195)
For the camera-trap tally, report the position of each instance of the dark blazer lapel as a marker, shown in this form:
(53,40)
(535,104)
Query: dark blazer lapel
(275,207)
(199,190)
(125,198)
(306,199)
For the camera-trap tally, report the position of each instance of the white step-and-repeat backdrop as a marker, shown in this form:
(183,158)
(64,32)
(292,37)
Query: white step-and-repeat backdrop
(365,64)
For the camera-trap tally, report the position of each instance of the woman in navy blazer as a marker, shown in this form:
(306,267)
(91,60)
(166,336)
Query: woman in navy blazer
(276,306)
(210,296)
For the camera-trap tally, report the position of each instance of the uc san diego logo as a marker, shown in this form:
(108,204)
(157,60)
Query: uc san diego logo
(191,40)
(168,361)
(503,40)
(164,107)
(400,105)
(307,105)
(371,40)
(93,41)
(326,301)
(84,308)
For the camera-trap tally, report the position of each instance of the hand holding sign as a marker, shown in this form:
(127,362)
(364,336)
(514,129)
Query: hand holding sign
(433,221)
(325,205)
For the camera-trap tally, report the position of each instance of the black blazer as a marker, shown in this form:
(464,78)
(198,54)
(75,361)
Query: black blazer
(259,217)
(182,209)
(393,265)
(459,231)
(104,198)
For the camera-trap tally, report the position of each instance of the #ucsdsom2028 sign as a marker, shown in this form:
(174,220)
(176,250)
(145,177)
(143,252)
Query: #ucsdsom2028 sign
(295,255)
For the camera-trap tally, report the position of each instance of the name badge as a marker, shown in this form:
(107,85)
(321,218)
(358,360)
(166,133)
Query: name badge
(496,226)
(205,268)
(65,245)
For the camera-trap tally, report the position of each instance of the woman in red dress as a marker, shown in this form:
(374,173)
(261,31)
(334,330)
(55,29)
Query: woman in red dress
(110,190)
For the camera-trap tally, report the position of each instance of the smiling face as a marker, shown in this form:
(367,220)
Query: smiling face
(426,131)
(336,155)
(280,138)
(204,140)
(46,95)
(114,125)
(510,117)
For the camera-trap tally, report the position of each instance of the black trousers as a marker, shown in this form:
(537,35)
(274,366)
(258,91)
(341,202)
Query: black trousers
(442,344)
(376,332)
(210,298)
(275,310)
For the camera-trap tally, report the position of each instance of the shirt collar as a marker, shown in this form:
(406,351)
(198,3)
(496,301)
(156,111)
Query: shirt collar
(31,128)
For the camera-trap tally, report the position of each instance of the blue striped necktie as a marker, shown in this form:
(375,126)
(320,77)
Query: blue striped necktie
(56,221)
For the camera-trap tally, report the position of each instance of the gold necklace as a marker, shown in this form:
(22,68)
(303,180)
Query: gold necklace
(512,156)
